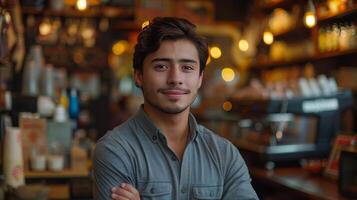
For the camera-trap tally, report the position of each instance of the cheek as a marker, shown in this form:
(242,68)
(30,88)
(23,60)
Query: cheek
(195,83)
(156,79)
(151,82)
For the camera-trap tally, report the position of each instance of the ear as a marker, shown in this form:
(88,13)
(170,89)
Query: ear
(138,78)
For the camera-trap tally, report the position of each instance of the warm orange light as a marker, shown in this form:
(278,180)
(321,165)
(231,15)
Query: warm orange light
(228,74)
(45,27)
(119,47)
(88,33)
(215,52)
(243,45)
(309,16)
(81,4)
(145,23)
(227,106)
(268,37)
(309,19)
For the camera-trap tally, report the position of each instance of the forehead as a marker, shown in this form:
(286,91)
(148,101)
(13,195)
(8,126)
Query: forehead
(176,50)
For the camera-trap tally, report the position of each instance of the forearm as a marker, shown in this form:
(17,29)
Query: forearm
(110,169)
(237,184)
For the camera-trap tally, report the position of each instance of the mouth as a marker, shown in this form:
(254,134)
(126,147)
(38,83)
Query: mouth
(174,93)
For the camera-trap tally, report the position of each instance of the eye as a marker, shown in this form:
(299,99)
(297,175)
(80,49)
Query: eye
(188,68)
(160,67)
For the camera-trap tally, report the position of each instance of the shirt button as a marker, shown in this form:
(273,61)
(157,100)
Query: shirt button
(183,190)
(154,137)
(152,190)
(173,158)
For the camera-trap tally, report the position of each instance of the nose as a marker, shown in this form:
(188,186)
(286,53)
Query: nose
(174,75)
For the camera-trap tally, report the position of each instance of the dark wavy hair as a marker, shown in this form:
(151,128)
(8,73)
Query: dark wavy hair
(168,28)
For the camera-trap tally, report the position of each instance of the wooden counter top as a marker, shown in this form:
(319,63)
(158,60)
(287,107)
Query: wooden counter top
(66,173)
(298,181)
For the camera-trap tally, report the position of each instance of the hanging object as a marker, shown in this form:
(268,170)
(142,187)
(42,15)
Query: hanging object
(310,15)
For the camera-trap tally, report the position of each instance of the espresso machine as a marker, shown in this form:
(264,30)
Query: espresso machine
(283,130)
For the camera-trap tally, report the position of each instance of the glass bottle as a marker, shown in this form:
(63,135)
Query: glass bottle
(73,104)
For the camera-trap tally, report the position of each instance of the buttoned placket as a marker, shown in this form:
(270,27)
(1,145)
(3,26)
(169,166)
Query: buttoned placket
(173,163)
(185,172)
(180,169)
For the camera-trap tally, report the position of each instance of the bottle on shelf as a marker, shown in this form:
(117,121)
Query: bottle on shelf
(32,71)
(337,37)
(73,108)
(47,83)
(63,100)
(13,158)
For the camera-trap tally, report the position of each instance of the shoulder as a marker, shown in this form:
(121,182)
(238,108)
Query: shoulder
(217,146)
(213,138)
(117,140)
(124,132)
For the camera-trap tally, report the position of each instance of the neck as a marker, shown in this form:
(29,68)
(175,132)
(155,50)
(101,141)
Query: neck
(174,126)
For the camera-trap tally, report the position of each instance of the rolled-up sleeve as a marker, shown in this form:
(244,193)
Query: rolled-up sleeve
(237,181)
(111,167)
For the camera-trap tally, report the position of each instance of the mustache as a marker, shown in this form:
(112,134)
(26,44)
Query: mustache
(183,90)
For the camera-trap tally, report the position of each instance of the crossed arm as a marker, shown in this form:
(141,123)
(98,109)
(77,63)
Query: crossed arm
(125,192)
(113,174)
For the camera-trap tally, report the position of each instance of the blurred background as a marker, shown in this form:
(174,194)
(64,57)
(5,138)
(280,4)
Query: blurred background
(280,84)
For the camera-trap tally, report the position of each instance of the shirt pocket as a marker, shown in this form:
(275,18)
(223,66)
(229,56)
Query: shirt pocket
(155,190)
(207,192)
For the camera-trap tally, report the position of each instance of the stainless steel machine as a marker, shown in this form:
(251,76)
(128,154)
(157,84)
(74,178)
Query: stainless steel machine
(271,131)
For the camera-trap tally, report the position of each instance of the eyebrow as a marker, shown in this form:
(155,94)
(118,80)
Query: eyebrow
(184,60)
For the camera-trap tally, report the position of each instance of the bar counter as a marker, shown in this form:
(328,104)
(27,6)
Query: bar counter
(295,183)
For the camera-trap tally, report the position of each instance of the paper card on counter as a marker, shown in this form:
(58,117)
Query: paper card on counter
(34,136)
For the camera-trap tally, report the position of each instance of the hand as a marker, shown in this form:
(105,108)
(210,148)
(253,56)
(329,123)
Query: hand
(125,192)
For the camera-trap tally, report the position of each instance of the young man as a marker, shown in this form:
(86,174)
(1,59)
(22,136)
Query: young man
(161,152)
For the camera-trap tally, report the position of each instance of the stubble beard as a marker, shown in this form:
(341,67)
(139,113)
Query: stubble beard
(172,111)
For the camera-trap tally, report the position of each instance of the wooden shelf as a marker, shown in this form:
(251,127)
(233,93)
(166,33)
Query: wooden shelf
(110,12)
(300,31)
(271,64)
(335,54)
(295,33)
(66,173)
(346,14)
(94,58)
(300,28)
(279,4)
(3,111)
(319,56)
(128,25)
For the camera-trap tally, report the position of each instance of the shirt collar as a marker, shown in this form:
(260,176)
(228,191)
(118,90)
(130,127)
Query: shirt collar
(148,126)
(154,133)
(194,128)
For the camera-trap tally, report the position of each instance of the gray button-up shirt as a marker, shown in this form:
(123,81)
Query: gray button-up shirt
(137,153)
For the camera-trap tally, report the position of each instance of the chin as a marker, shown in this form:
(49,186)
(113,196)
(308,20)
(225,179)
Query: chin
(173,110)
(168,107)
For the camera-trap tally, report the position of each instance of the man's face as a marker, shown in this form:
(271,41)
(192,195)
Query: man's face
(170,77)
